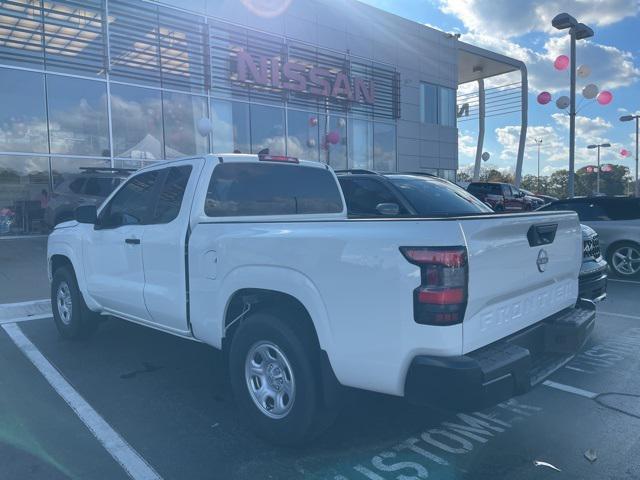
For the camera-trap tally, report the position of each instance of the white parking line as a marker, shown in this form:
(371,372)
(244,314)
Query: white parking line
(623,281)
(570,389)
(26,319)
(22,310)
(118,448)
(621,315)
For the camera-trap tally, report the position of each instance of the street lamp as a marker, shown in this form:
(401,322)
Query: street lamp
(603,145)
(628,118)
(538,143)
(577,31)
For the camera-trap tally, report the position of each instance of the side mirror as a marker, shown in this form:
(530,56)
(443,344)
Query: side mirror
(87,214)
(388,209)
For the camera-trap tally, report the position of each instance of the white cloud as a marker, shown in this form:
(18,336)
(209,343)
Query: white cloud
(466,146)
(589,130)
(509,18)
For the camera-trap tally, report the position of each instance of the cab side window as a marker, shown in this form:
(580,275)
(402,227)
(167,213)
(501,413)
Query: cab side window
(134,202)
(363,195)
(170,197)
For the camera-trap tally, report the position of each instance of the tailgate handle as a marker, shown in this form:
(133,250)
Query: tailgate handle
(542,234)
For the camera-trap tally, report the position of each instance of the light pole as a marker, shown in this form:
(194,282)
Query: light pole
(603,145)
(577,31)
(628,118)
(538,143)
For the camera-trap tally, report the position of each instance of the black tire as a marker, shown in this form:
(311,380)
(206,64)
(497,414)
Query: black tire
(624,248)
(307,416)
(74,321)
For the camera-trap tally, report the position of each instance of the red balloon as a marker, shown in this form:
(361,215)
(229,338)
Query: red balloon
(604,97)
(544,98)
(624,152)
(333,137)
(561,63)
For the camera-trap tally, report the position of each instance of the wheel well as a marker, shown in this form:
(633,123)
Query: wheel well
(59,261)
(611,247)
(288,308)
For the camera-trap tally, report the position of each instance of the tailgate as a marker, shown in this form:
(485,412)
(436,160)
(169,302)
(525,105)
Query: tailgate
(516,278)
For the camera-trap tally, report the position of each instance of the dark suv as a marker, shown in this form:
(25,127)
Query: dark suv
(502,197)
(91,186)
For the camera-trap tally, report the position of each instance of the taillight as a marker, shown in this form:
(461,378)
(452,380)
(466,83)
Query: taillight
(277,158)
(441,297)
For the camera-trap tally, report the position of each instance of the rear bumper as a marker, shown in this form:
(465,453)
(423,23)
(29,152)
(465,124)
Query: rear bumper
(504,369)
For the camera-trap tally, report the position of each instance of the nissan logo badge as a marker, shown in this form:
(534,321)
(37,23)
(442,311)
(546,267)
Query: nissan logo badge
(542,260)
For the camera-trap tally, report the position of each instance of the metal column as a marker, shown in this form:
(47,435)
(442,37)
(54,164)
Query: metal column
(524,107)
(481,115)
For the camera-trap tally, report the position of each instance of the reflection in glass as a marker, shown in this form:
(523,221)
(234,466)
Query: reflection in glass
(303,138)
(78,181)
(334,141)
(24,194)
(267,129)
(447,107)
(78,121)
(360,144)
(230,127)
(428,103)
(23,119)
(181,114)
(137,122)
(384,147)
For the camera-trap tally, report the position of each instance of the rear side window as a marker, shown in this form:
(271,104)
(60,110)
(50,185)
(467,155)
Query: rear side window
(363,195)
(432,197)
(247,189)
(486,188)
(623,209)
(171,195)
(100,186)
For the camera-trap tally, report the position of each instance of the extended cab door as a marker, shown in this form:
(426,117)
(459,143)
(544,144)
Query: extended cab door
(112,250)
(163,247)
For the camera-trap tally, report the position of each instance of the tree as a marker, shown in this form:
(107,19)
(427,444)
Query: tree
(557,184)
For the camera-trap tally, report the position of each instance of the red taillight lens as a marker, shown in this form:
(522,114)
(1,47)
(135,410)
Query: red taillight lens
(441,298)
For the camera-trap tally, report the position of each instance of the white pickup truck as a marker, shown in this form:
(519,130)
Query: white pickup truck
(259,256)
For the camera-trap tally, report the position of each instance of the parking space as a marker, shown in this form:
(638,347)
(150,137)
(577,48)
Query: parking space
(168,400)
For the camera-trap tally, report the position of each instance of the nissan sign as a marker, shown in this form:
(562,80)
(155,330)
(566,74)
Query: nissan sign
(273,72)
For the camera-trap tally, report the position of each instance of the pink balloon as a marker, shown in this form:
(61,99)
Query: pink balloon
(561,63)
(589,169)
(313,121)
(544,98)
(607,167)
(604,97)
(624,152)
(333,137)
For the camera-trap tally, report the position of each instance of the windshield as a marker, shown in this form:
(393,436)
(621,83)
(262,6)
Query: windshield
(431,196)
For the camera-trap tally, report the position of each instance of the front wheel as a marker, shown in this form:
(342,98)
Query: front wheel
(275,380)
(72,317)
(624,259)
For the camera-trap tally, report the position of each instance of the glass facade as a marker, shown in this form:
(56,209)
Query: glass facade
(437,105)
(81,93)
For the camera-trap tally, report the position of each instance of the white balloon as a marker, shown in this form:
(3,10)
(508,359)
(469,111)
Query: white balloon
(562,102)
(590,91)
(584,71)
(204,126)
(486,156)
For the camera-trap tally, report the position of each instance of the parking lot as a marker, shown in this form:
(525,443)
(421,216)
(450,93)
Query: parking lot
(132,402)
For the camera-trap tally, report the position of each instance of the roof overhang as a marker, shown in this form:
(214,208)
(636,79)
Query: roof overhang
(475,63)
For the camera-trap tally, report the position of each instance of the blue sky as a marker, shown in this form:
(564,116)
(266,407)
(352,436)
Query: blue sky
(522,29)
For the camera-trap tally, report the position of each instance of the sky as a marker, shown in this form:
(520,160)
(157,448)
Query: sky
(522,29)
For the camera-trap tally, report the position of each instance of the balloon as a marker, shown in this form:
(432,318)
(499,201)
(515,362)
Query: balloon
(562,102)
(624,152)
(311,142)
(333,137)
(605,97)
(342,122)
(204,126)
(544,98)
(590,91)
(486,156)
(589,169)
(313,121)
(584,71)
(607,167)
(561,63)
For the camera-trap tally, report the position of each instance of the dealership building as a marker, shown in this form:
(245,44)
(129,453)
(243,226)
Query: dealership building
(121,83)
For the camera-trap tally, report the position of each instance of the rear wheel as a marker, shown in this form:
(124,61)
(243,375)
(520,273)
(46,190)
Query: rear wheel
(72,317)
(275,379)
(624,259)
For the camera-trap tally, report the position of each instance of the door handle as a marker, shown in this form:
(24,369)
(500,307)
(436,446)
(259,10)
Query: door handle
(132,241)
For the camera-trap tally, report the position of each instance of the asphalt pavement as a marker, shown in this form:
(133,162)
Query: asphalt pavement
(164,403)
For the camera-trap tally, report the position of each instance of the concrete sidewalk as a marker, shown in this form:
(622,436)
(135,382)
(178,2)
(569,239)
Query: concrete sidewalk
(23,269)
